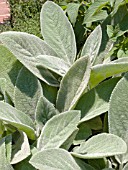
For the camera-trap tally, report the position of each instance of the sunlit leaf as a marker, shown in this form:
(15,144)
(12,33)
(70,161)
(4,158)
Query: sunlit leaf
(58,129)
(58,32)
(52,159)
(73,84)
(27,92)
(26,47)
(99,147)
(17,118)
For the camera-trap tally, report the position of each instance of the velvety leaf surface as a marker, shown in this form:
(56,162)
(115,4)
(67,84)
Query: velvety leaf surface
(58,32)
(72,11)
(73,84)
(99,147)
(96,101)
(25,165)
(17,118)
(21,149)
(4,164)
(8,146)
(3,83)
(54,159)
(9,69)
(92,44)
(118,116)
(26,47)
(27,92)
(102,71)
(58,129)
(52,63)
(44,111)
(67,144)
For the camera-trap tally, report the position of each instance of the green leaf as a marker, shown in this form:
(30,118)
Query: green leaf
(26,48)
(27,92)
(102,71)
(9,69)
(24,165)
(58,32)
(83,133)
(108,169)
(125,167)
(54,159)
(17,118)
(99,147)
(21,148)
(93,10)
(122,26)
(4,164)
(73,84)
(92,44)
(98,16)
(49,92)
(67,144)
(72,11)
(58,129)
(45,110)
(117,116)
(83,165)
(3,83)
(113,19)
(95,102)
(98,164)
(95,123)
(52,63)
(8,146)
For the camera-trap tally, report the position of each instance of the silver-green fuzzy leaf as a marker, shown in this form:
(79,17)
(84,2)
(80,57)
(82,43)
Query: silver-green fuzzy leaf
(17,118)
(72,11)
(26,47)
(96,101)
(4,163)
(102,71)
(22,148)
(45,110)
(58,32)
(9,69)
(52,63)
(99,146)
(73,84)
(92,44)
(27,92)
(58,129)
(54,159)
(118,112)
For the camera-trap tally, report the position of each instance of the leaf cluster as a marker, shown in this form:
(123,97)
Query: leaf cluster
(61,107)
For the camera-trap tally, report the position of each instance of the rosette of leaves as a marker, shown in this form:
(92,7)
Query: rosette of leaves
(55,107)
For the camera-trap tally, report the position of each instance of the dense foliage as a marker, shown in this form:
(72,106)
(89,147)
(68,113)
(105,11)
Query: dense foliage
(63,105)
(25,15)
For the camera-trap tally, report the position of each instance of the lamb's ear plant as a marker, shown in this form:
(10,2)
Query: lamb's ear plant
(60,109)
